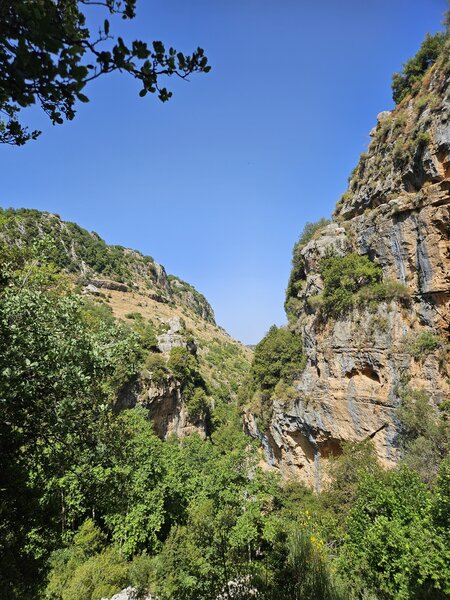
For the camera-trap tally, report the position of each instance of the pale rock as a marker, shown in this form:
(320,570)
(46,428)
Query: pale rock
(130,593)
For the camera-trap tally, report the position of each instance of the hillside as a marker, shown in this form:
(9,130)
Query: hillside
(137,291)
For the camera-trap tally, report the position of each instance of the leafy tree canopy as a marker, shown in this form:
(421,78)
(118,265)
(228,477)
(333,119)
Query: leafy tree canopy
(48,55)
(279,355)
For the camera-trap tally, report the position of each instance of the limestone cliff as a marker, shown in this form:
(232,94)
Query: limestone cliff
(396,212)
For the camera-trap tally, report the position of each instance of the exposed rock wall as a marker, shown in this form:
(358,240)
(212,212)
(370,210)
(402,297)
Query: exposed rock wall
(166,406)
(397,212)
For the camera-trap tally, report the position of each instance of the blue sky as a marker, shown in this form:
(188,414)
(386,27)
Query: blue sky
(218,183)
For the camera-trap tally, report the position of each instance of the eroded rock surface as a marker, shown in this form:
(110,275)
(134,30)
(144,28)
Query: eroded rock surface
(396,212)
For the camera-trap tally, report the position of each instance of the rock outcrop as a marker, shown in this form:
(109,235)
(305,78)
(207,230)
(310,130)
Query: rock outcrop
(131,593)
(397,212)
(166,405)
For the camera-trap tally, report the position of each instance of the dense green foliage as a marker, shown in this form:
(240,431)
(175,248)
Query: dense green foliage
(424,433)
(279,355)
(59,375)
(354,280)
(350,280)
(48,55)
(343,277)
(227,365)
(394,544)
(424,343)
(408,80)
(92,500)
(277,361)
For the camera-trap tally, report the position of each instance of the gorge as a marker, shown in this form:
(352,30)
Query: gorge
(147,454)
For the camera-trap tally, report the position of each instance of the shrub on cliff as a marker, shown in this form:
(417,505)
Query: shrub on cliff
(279,355)
(414,69)
(372,295)
(343,277)
(423,344)
(298,273)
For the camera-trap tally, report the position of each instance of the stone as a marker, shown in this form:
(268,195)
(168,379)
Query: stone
(130,593)
(91,289)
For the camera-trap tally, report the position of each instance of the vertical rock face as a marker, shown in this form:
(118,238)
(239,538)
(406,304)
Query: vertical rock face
(168,410)
(166,406)
(396,211)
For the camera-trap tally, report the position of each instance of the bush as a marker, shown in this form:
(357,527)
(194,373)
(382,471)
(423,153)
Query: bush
(343,276)
(305,573)
(184,367)
(298,272)
(316,301)
(141,573)
(423,344)
(400,153)
(134,316)
(392,547)
(424,433)
(381,292)
(100,576)
(147,336)
(279,355)
(157,365)
(309,231)
(85,570)
(198,405)
(421,140)
(414,69)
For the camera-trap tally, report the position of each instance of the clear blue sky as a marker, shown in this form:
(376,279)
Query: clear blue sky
(218,183)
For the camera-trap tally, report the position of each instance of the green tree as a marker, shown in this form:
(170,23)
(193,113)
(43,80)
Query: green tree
(346,471)
(86,569)
(279,355)
(48,55)
(406,81)
(424,434)
(393,547)
(57,383)
(185,368)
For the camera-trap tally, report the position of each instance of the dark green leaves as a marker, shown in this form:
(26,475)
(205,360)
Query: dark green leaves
(47,55)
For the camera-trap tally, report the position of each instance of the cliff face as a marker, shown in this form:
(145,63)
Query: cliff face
(396,212)
(167,408)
